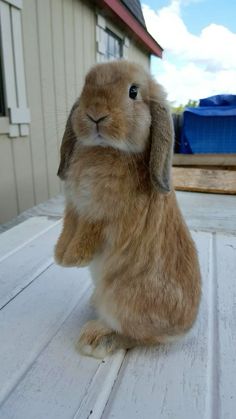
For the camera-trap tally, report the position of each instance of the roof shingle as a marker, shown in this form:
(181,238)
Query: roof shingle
(135,8)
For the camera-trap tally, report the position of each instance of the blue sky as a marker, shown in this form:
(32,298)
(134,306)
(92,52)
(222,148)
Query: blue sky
(198,14)
(199,39)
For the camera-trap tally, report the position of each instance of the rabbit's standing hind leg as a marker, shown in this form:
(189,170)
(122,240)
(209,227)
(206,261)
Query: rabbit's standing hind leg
(98,341)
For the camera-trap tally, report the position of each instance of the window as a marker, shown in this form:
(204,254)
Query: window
(14,112)
(113,46)
(111,43)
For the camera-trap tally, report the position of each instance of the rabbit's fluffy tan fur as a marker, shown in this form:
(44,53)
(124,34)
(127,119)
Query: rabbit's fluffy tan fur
(122,217)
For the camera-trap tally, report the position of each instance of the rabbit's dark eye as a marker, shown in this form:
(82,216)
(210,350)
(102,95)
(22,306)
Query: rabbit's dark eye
(133,91)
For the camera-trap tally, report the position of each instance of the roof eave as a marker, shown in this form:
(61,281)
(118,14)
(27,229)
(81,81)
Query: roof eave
(140,32)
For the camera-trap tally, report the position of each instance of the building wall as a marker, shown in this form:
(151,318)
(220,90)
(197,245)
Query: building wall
(136,54)
(59,43)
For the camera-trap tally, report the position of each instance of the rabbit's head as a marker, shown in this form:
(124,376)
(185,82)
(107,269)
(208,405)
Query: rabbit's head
(122,107)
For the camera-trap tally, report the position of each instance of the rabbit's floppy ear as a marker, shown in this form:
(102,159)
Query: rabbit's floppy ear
(67,145)
(162,137)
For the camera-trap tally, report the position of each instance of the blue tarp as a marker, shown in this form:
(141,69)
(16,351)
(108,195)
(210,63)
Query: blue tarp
(210,128)
(219,100)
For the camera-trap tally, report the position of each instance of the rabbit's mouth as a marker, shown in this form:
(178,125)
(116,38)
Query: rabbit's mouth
(98,139)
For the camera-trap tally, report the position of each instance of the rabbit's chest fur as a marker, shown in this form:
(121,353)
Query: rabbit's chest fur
(103,183)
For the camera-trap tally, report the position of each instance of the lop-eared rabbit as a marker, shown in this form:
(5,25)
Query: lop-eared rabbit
(121,215)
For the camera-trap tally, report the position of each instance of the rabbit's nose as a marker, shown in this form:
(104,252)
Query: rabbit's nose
(97,120)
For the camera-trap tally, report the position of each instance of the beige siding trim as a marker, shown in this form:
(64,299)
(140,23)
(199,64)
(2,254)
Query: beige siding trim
(34,91)
(23,172)
(8,62)
(4,125)
(48,93)
(8,195)
(21,115)
(15,3)
(69,52)
(59,69)
(21,158)
(13,66)
(89,30)
(79,45)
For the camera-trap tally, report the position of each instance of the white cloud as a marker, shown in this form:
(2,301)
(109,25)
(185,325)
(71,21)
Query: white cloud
(186,2)
(205,64)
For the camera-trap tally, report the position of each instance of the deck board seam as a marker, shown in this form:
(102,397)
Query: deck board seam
(99,404)
(213,399)
(35,276)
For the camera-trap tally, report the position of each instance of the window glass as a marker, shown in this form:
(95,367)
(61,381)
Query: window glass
(2,98)
(113,46)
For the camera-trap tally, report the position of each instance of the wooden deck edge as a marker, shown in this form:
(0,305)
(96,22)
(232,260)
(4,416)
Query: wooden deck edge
(204,160)
(204,180)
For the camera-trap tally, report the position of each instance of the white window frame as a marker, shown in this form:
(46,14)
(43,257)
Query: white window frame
(101,27)
(17,121)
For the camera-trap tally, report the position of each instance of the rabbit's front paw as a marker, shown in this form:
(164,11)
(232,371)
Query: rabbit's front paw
(76,256)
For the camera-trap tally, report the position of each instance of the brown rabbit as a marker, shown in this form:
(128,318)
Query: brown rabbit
(122,217)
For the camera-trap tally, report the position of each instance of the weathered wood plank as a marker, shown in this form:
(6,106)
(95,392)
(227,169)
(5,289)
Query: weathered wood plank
(44,387)
(26,264)
(190,378)
(98,392)
(224,359)
(17,237)
(204,180)
(208,212)
(170,381)
(60,383)
(31,320)
(204,160)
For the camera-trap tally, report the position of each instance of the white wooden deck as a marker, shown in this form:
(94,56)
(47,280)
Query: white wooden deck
(42,308)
